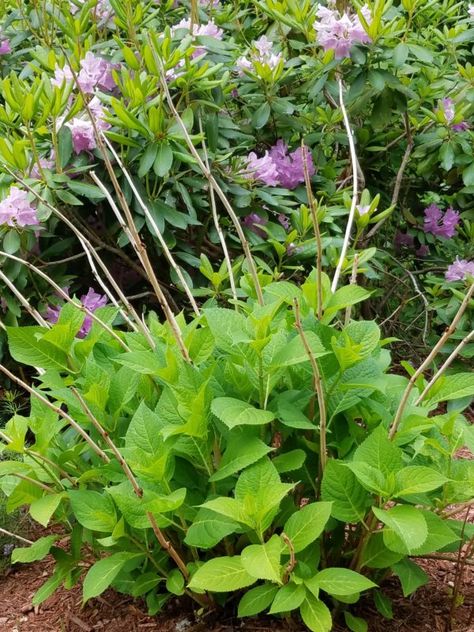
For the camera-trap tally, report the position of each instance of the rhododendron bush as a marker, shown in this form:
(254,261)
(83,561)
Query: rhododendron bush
(256,84)
(215,216)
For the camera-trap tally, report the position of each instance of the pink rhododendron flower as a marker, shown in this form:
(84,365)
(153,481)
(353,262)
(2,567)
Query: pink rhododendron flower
(339,32)
(5,47)
(208,30)
(95,72)
(278,167)
(92,301)
(447,107)
(462,126)
(459,270)
(290,167)
(439,224)
(175,72)
(45,163)
(471,11)
(263,169)
(16,210)
(83,138)
(82,130)
(261,53)
(62,75)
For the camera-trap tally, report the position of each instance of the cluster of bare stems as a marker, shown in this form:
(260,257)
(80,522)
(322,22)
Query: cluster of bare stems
(132,319)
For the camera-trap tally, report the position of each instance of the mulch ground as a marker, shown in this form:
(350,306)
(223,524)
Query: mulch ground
(427,610)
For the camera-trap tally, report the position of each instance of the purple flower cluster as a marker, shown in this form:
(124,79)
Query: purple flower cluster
(90,301)
(16,210)
(95,72)
(440,224)
(44,163)
(5,47)
(339,32)
(261,53)
(405,240)
(207,30)
(278,167)
(459,270)
(82,129)
(447,107)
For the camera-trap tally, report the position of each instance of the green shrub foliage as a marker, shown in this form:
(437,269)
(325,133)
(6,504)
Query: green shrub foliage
(210,478)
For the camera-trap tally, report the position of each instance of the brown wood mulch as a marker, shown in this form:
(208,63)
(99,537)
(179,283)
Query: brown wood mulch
(426,611)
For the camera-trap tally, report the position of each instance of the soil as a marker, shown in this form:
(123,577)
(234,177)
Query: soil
(426,611)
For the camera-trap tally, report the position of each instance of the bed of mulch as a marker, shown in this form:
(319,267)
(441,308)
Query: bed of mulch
(427,610)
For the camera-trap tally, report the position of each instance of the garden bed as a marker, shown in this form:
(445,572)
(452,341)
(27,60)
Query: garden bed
(428,610)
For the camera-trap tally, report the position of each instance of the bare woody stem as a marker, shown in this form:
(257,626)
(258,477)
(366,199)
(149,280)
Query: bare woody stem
(399,178)
(92,254)
(143,256)
(444,366)
(136,242)
(152,221)
(355,184)
(31,310)
(34,481)
(438,346)
(317,233)
(58,411)
(14,535)
(458,509)
(292,563)
(66,297)
(318,389)
(209,176)
(219,230)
